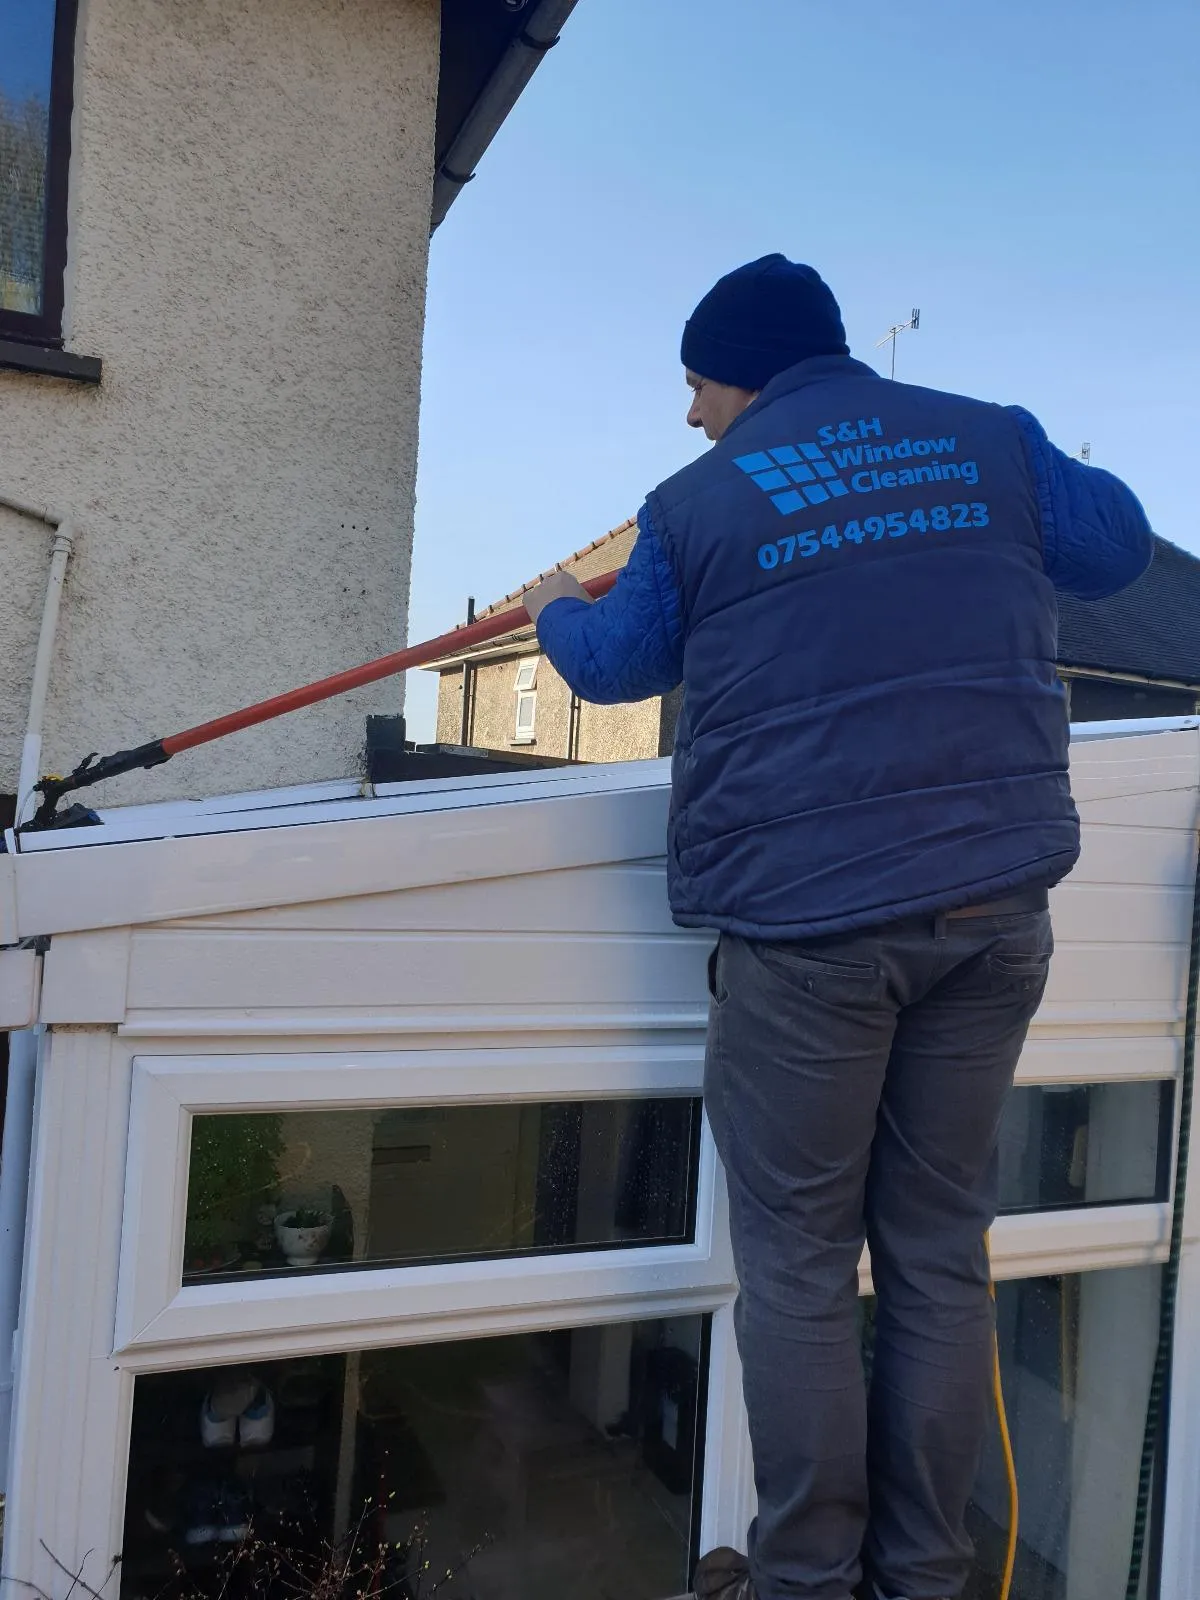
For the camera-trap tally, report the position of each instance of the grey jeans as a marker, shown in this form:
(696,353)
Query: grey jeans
(855,1087)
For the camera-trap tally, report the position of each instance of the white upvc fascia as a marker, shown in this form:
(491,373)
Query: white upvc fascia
(367,1310)
(20,987)
(1135,1057)
(1077,1053)
(136,883)
(1135,728)
(8,900)
(514,644)
(344,802)
(351,1029)
(368,1079)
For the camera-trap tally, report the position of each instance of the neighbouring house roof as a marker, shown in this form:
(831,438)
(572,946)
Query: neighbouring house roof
(490,50)
(1151,630)
(605,554)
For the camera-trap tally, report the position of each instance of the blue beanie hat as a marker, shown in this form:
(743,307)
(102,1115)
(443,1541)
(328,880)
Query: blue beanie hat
(761,319)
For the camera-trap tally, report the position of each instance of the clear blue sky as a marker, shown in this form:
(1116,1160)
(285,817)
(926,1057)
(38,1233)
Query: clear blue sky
(1026,173)
(26,34)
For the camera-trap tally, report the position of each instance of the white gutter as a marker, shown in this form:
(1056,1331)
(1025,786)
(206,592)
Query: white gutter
(64,543)
(517,65)
(511,646)
(1105,675)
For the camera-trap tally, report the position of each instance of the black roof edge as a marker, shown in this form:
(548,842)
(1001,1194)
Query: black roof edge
(534,32)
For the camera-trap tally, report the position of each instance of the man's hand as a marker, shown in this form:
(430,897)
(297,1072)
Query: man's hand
(558,586)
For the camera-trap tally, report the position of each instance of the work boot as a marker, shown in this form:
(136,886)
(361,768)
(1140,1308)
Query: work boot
(724,1574)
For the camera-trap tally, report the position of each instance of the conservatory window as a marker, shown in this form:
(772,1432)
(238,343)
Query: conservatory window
(307,1190)
(533,1466)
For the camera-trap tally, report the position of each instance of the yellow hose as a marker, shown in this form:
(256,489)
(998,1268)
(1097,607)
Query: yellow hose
(1010,1465)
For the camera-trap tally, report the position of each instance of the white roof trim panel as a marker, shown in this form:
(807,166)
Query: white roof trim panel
(415,836)
(8,901)
(285,808)
(148,864)
(1085,732)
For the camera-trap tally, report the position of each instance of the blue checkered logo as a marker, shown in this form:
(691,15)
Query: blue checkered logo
(776,470)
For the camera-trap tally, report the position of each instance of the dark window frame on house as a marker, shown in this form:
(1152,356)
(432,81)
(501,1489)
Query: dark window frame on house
(45,329)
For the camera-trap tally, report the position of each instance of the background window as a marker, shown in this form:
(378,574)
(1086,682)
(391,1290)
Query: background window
(526,700)
(526,714)
(37,40)
(543,1466)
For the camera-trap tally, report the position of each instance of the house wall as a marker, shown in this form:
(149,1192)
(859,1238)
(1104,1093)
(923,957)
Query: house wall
(620,733)
(606,733)
(249,220)
(494,714)
(647,730)
(448,728)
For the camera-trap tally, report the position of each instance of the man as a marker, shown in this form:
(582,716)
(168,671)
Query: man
(856,587)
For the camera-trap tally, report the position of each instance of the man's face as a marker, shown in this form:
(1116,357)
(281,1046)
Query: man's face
(715,405)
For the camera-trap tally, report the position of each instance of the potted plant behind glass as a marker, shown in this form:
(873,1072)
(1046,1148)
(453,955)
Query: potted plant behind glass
(234,1169)
(303,1233)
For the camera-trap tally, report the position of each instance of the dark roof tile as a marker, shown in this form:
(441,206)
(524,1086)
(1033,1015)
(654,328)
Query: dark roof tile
(1152,629)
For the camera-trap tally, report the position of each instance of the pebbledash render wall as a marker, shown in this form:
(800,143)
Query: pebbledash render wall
(249,231)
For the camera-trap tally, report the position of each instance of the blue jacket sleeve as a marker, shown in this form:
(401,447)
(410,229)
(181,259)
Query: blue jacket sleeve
(1096,540)
(628,645)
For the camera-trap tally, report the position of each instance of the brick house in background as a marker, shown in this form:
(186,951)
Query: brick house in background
(504,696)
(1136,655)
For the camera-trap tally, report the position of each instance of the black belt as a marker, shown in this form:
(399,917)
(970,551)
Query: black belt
(1014,905)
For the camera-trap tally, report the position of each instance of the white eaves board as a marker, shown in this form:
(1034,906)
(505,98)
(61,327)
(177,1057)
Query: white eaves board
(1136,788)
(197,862)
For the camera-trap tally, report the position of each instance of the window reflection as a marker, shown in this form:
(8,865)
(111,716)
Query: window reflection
(1085,1144)
(299,1191)
(1076,1354)
(26,56)
(553,1466)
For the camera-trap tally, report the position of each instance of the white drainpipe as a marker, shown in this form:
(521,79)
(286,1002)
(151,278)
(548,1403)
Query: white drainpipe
(64,541)
(23,1045)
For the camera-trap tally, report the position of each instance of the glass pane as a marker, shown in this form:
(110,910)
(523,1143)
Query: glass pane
(26,54)
(307,1190)
(1076,1354)
(526,710)
(1087,1144)
(554,1466)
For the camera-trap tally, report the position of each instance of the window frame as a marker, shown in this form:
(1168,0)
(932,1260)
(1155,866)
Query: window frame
(526,693)
(154,1307)
(46,328)
(526,735)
